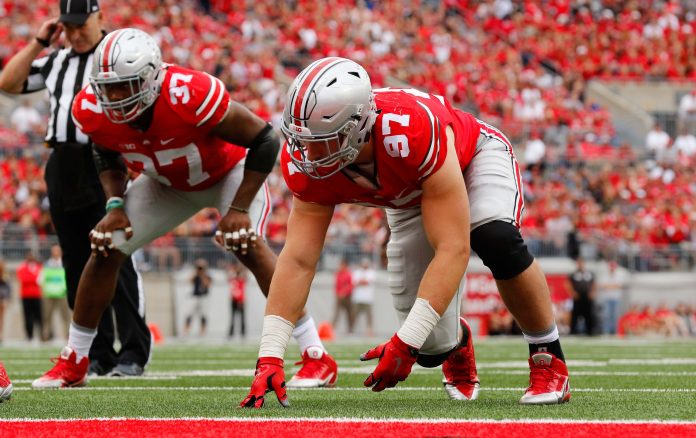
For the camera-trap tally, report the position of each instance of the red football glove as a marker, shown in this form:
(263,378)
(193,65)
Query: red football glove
(269,377)
(395,362)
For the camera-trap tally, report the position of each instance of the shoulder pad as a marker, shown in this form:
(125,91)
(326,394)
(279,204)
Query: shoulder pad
(86,111)
(197,97)
(406,117)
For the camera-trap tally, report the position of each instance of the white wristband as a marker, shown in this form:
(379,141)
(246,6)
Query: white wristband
(275,336)
(419,323)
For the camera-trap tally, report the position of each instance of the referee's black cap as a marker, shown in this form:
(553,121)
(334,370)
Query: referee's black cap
(77,11)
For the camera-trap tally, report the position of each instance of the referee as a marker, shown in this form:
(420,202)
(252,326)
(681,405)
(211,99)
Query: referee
(74,191)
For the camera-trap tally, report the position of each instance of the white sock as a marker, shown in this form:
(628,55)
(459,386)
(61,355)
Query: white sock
(306,334)
(543,337)
(80,339)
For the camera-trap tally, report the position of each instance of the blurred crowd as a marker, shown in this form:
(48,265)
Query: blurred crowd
(644,320)
(521,66)
(599,301)
(638,320)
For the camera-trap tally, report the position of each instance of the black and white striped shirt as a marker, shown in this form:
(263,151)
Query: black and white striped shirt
(63,73)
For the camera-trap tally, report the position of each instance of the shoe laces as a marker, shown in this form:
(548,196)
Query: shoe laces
(310,367)
(541,378)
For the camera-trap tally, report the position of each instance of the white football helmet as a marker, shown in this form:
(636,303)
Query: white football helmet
(127,58)
(330,102)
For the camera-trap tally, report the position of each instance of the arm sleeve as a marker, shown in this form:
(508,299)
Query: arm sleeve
(105,159)
(263,151)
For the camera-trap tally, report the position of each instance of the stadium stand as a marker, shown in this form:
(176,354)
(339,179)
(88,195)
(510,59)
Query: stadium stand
(523,66)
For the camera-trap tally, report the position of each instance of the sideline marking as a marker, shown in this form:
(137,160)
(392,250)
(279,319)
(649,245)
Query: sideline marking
(353,420)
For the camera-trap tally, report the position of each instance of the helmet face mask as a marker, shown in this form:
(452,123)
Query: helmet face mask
(328,116)
(335,153)
(125,74)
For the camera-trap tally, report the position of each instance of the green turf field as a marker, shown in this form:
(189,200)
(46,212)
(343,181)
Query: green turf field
(610,379)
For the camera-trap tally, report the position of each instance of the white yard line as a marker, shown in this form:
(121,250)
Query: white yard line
(173,375)
(351,389)
(650,360)
(634,361)
(603,373)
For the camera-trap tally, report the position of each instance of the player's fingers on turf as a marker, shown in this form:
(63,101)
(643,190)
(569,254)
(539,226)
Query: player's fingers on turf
(371,380)
(283,397)
(373,353)
(252,401)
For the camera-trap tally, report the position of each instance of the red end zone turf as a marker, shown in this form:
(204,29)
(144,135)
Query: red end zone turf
(143,428)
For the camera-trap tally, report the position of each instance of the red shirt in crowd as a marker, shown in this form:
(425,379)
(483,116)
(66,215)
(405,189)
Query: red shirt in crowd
(344,283)
(237,287)
(28,275)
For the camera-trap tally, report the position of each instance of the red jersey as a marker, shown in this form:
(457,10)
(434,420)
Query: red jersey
(177,149)
(410,144)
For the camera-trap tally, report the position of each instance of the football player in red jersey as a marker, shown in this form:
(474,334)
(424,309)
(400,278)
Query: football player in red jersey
(449,183)
(195,148)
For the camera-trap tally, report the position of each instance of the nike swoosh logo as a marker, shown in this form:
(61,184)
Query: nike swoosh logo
(166,141)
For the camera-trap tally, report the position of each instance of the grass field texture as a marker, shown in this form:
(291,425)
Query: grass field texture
(618,380)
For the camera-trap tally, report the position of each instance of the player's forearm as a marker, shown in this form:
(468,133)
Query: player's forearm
(113,173)
(250,185)
(438,287)
(443,276)
(17,69)
(289,288)
(113,182)
(286,299)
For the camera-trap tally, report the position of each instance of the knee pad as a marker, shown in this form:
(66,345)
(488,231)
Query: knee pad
(433,360)
(502,249)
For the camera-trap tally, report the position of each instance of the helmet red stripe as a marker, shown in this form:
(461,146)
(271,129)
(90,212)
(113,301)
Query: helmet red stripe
(107,49)
(304,86)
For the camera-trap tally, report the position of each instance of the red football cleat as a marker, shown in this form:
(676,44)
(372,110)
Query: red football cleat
(66,372)
(5,384)
(459,370)
(549,383)
(318,370)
